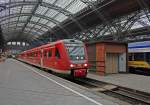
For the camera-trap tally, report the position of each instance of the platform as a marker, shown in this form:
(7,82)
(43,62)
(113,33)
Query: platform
(21,84)
(133,81)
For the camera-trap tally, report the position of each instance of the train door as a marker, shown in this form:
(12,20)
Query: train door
(111,63)
(60,62)
(45,57)
(57,58)
(122,62)
(41,57)
(49,57)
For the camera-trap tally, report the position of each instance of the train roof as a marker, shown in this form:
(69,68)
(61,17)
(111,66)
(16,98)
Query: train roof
(53,43)
(139,47)
(139,44)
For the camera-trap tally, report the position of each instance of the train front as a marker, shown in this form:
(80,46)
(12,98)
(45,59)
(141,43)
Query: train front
(78,58)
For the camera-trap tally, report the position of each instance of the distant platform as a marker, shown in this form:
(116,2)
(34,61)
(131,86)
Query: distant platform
(133,81)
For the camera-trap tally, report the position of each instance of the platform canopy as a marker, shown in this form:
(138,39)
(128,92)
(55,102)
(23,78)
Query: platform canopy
(26,20)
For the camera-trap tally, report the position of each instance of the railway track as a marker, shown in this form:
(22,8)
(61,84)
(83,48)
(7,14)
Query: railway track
(125,94)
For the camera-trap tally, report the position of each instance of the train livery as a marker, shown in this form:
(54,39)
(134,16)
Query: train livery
(139,56)
(66,56)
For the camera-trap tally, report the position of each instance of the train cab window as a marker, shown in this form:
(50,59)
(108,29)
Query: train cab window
(45,54)
(139,56)
(49,53)
(57,54)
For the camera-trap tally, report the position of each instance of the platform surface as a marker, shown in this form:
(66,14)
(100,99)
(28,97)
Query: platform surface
(133,81)
(21,84)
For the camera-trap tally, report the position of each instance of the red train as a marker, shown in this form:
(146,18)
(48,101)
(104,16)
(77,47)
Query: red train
(66,56)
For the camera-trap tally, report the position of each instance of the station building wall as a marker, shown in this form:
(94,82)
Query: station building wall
(107,57)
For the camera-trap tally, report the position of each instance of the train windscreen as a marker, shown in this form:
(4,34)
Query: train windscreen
(75,51)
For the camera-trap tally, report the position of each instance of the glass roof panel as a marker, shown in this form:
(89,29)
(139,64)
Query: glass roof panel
(142,22)
(27,29)
(37,26)
(20,24)
(4,26)
(4,13)
(33,31)
(12,25)
(30,25)
(18,28)
(44,29)
(136,25)
(49,1)
(16,0)
(51,13)
(41,10)
(76,6)
(4,22)
(30,0)
(35,19)
(61,17)
(63,3)
(72,6)
(43,21)
(4,1)
(15,10)
(23,18)
(27,9)
(13,19)
(50,24)
(36,32)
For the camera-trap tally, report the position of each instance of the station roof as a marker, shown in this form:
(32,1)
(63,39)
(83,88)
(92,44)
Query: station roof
(29,19)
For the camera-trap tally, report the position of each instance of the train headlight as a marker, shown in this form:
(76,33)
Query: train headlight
(82,58)
(71,65)
(85,65)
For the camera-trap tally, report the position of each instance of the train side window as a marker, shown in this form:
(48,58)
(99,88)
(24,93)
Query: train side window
(130,57)
(41,54)
(49,53)
(139,56)
(57,54)
(148,56)
(36,54)
(33,54)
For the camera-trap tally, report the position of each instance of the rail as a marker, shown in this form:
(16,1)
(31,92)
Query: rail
(131,96)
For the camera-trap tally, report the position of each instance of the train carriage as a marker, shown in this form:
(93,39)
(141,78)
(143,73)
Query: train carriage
(139,56)
(66,56)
